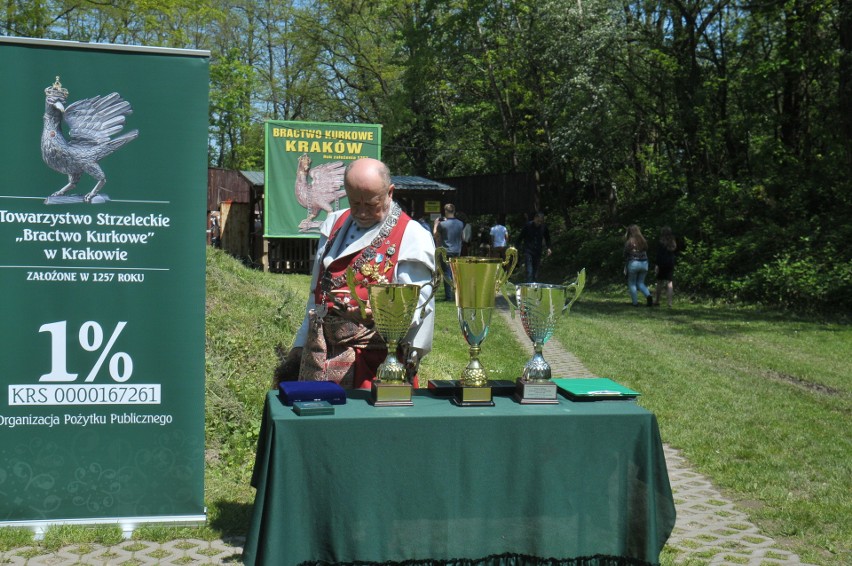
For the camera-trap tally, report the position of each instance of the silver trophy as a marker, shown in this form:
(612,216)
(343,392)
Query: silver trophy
(540,307)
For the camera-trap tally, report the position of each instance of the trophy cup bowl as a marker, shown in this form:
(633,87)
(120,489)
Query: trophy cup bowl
(540,308)
(393,306)
(476,281)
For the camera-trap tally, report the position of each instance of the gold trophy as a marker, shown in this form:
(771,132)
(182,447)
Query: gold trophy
(540,307)
(393,306)
(476,281)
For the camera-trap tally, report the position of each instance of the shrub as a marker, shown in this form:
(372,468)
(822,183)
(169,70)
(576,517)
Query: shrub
(804,282)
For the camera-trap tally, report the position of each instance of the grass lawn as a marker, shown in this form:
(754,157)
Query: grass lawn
(758,401)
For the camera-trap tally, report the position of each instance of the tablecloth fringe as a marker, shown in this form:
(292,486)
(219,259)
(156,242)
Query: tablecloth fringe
(507,559)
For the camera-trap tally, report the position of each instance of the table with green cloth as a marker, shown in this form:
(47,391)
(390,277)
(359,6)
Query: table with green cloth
(572,483)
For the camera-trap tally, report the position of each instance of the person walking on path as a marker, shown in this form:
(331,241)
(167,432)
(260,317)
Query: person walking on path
(499,238)
(636,264)
(448,234)
(664,270)
(534,240)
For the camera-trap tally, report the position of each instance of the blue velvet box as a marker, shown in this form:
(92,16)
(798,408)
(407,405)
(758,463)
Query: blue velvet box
(291,391)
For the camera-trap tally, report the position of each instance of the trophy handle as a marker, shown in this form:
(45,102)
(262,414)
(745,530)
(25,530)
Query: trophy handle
(350,280)
(440,259)
(511,261)
(578,285)
(434,282)
(505,290)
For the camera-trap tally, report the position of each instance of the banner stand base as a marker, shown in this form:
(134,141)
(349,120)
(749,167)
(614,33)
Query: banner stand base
(127,524)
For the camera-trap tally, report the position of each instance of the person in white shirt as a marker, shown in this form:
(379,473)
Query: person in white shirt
(499,238)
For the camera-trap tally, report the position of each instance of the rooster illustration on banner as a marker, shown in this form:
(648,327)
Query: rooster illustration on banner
(91,123)
(318,188)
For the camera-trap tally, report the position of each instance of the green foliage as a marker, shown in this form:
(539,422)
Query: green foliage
(802,281)
(14,537)
(600,256)
(232,81)
(58,536)
(701,268)
(163,533)
(731,123)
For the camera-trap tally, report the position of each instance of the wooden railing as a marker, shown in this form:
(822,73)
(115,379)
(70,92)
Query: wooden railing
(290,255)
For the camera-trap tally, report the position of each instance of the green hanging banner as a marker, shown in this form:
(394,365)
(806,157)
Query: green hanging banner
(304,172)
(102,227)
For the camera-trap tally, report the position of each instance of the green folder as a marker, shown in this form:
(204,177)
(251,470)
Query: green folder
(591,388)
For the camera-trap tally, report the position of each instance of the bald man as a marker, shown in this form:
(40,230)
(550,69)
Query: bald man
(382,244)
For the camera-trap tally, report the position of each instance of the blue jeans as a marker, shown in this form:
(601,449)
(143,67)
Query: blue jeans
(636,272)
(531,263)
(449,294)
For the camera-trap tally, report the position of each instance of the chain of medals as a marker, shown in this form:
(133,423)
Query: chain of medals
(361,263)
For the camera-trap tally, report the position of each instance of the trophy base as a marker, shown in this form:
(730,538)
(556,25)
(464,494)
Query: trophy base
(532,393)
(471,396)
(391,394)
(447,387)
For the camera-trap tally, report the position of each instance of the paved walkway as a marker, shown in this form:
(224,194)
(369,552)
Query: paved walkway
(709,529)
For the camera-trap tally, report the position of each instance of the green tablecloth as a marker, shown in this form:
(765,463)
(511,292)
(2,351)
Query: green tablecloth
(444,483)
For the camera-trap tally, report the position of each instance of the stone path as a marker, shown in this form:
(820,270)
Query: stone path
(709,529)
(132,553)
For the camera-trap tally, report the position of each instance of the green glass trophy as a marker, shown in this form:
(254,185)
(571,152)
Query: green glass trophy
(540,308)
(476,281)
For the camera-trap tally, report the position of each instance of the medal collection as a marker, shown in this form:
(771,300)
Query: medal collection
(372,271)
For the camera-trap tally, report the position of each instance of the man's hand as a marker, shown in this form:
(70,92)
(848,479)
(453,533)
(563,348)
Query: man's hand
(353,313)
(344,306)
(412,363)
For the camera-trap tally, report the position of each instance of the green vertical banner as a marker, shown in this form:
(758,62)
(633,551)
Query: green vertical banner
(304,172)
(102,272)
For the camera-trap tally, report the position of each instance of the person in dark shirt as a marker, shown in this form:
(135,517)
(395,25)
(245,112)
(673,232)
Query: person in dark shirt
(664,270)
(534,240)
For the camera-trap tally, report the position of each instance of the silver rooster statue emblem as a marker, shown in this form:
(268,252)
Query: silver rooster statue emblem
(320,188)
(91,123)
